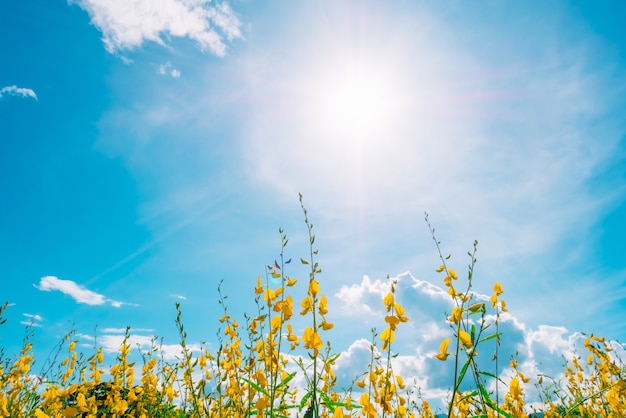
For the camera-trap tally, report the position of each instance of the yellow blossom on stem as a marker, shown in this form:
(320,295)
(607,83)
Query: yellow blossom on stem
(314,287)
(275,274)
(457,315)
(465,339)
(259,288)
(307,305)
(327,325)
(443,350)
(387,336)
(497,288)
(311,339)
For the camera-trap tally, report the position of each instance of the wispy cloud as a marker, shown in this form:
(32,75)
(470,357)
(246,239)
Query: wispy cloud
(112,341)
(32,320)
(17,91)
(167,69)
(123,330)
(126,24)
(77,292)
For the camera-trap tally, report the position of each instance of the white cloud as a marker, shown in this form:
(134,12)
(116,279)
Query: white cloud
(126,24)
(32,320)
(77,292)
(539,351)
(17,91)
(123,330)
(112,341)
(499,140)
(167,69)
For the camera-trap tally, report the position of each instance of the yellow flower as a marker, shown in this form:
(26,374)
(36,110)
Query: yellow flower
(443,350)
(503,306)
(392,321)
(465,339)
(514,388)
(258,289)
(314,287)
(290,281)
(338,413)
(497,288)
(262,403)
(39,414)
(322,307)
(400,381)
(269,296)
(387,337)
(327,325)
(457,315)
(494,300)
(441,268)
(311,339)
(613,399)
(388,301)
(275,274)
(307,305)
(276,323)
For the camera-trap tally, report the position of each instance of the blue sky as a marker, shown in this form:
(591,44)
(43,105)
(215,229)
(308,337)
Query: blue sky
(149,152)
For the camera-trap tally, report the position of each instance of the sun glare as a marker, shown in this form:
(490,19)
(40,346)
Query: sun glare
(354,100)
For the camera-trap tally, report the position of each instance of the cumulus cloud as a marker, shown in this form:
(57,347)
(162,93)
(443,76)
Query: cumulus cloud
(17,91)
(539,351)
(77,292)
(126,24)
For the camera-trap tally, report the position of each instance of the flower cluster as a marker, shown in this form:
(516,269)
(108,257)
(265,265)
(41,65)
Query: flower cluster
(254,370)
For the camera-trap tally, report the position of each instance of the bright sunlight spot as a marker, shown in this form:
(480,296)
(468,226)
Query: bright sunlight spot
(354,99)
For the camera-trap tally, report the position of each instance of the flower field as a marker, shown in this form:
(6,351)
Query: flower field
(261,357)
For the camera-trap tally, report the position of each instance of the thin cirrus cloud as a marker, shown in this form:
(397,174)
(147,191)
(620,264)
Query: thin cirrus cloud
(126,24)
(77,292)
(111,343)
(32,320)
(17,91)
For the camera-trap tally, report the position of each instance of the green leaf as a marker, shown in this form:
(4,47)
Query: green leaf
(303,261)
(473,333)
(327,400)
(305,398)
(462,373)
(491,403)
(286,380)
(257,387)
(489,337)
(469,395)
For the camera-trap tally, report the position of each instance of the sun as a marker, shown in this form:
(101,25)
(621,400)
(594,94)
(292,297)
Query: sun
(354,98)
